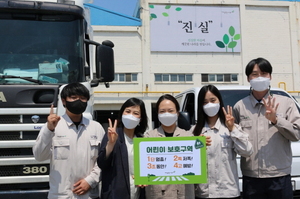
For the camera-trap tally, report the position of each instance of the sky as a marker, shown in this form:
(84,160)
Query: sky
(126,7)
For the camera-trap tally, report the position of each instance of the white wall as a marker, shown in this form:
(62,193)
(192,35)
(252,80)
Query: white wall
(269,29)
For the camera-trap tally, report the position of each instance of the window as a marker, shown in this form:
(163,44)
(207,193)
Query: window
(234,78)
(125,77)
(181,78)
(121,77)
(165,78)
(227,78)
(173,77)
(212,78)
(219,77)
(134,77)
(188,78)
(204,78)
(158,77)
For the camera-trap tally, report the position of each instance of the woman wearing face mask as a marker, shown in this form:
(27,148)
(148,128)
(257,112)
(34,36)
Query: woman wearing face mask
(167,108)
(116,152)
(227,140)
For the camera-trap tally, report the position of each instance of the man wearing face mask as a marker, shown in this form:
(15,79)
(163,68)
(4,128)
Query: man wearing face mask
(272,122)
(71,143)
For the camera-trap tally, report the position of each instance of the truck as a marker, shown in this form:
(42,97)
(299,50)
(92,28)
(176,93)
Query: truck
(188,101)
(43,47)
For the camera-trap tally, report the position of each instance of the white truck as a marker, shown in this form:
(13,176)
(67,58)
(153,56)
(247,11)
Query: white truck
(231,94)
(43,47)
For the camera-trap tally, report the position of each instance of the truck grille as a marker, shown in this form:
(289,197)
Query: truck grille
(10,135)
(9,119)
(24,186)
(17,135)
(18,119)
(7,152)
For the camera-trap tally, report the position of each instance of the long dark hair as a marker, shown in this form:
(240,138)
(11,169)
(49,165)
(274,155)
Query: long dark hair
(201,115)
(141,128)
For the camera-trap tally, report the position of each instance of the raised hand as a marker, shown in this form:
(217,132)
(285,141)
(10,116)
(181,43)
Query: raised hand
(271,109)
(52,119)
(229,119)
(111,133)
(112,137)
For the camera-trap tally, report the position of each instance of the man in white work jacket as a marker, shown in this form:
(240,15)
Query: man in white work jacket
(71,143)
(272,122)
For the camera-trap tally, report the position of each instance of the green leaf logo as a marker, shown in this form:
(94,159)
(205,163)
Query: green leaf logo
(231,31)
(153,16)
(229,41)
(165,14)
(220,44)
(226,39)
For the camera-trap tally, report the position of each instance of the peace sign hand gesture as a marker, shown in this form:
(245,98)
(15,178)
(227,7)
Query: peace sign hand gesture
(112,137)
(229,119)
(271,109)
(52,119)
(111,133)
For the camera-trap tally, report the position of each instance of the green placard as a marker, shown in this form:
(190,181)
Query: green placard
(170,160)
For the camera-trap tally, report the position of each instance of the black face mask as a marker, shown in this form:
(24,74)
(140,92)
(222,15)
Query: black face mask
(76,107)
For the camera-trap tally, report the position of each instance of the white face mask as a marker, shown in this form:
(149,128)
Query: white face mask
(167,119)
(260,83)
(211,109)
(129,121)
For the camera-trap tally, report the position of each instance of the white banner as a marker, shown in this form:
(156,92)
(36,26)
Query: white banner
(195,28)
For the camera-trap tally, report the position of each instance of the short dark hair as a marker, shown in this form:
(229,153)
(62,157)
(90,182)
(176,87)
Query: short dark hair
(167,97)
(141,128)
(263,64)
(75,89)
(201,115)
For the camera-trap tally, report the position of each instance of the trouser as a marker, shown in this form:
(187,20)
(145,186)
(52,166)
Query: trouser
(267,188)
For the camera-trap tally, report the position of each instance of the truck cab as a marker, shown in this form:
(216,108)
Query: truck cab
(44,46)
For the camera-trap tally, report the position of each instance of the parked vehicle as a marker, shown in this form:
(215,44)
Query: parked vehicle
(231,94)
(44,46)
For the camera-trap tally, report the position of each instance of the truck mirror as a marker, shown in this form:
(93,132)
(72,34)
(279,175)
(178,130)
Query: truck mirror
(105,69)
(183,121)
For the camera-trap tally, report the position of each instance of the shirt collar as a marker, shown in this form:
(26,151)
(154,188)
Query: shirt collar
(254,101)
(84,121)
(161,132)
(217,126)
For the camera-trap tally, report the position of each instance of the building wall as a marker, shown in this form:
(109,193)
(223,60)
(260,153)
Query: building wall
(269,29)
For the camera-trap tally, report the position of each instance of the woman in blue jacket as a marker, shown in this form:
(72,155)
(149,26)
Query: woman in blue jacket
(116,152)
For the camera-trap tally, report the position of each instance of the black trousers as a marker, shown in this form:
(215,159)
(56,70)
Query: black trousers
(267,188)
